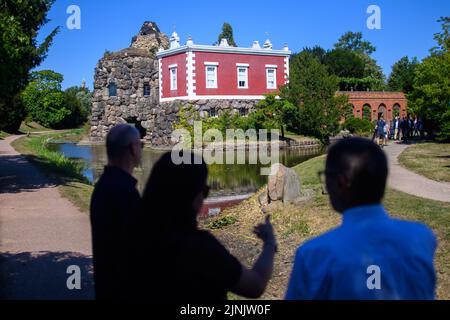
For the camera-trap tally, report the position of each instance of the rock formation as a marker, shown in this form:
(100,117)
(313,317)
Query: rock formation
(283,185)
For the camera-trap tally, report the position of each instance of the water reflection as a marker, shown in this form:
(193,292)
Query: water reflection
(224,179)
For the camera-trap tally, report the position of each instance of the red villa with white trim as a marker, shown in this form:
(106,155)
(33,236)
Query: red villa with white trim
(193,72)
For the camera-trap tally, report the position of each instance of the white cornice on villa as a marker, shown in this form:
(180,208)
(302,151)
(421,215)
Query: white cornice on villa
(220,49)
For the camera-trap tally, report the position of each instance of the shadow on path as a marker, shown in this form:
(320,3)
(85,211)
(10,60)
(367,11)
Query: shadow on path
(43,276)
(17,175)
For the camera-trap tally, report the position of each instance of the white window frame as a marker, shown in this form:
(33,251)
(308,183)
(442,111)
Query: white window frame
(274,77)
(214,66)
(173,77)
(244,67)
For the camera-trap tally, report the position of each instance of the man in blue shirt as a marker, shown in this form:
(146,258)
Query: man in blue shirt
(370,255)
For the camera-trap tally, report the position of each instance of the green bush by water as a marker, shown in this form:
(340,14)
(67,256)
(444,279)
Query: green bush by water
(53,161)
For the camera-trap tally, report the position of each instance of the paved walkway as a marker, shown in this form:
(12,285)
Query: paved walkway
(407,181)
(41,233)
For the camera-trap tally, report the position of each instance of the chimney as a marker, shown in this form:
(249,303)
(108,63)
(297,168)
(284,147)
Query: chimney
(256,45)
(189,41)
(286,47)
(267,45)
(174,41)
(224,43)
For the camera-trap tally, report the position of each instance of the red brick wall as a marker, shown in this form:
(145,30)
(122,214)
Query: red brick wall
(376,100)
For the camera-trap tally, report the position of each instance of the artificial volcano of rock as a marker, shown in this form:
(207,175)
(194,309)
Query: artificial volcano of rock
(150,38)
(128,72)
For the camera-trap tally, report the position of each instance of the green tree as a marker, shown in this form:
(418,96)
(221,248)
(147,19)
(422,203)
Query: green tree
(313,90)
(78,100)
(275,113)
(318,52)
(372,77)
(430,97)
(354,41)
(402,75)
(20,21)
(344,63)
(227,33)
(442,38)
(44,100)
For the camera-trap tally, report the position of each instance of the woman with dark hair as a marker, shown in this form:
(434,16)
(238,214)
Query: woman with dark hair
(190,263)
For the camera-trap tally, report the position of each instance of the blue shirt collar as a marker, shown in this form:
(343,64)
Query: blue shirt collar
(364,213)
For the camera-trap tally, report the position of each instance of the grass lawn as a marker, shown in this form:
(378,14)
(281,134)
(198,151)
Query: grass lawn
(3,135)
(65,172)
(32,127)
(295,224)
(299,138)
(431,160)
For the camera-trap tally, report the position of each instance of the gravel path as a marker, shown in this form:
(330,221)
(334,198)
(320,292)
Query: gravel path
(41,233)
(410,182)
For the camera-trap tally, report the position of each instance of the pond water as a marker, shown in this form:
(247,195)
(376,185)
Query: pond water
(225,180)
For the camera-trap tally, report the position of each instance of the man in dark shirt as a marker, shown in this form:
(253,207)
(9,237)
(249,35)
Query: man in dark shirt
(115,209)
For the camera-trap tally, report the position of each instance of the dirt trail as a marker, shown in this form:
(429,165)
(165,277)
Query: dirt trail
(41,233)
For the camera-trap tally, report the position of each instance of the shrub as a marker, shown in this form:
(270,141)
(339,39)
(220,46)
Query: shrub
(358,126)
(222,222)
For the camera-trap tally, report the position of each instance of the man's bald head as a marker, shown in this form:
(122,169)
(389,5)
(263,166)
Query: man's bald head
(119,141)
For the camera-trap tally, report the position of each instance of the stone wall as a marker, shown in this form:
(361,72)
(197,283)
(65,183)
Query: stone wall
(129,69)
(160,126)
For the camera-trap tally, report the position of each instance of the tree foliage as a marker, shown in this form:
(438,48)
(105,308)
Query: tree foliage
(350,60)
(430,96)
(354,41)
(344,63)
(275,113)
(227,33)
(362,127)
(20,21)
(402,75)
(48,105)
(442,38)
(313,90)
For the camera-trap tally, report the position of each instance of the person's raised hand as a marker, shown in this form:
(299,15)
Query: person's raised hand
(264,231)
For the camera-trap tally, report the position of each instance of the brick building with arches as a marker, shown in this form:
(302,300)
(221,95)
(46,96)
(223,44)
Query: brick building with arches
(372,104)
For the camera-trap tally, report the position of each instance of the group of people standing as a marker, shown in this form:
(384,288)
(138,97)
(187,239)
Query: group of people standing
(401,129)
(151,247)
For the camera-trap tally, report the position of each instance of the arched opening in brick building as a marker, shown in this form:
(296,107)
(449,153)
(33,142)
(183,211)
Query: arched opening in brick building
(396,110)
(382,111)
(367,112)
(138,125)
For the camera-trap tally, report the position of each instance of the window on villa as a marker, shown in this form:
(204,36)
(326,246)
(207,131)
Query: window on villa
(112,89)
(211,77)
(212,112)
(242,112)
(146,89)
(242,77)
(173,78)
(271,78)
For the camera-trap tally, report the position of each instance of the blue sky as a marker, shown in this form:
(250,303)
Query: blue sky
(407,27)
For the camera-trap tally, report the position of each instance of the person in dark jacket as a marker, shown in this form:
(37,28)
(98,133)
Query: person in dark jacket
(185,261)
(115,215)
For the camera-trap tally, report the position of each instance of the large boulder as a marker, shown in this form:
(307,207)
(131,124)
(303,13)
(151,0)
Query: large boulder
(284,184)
(275,186)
